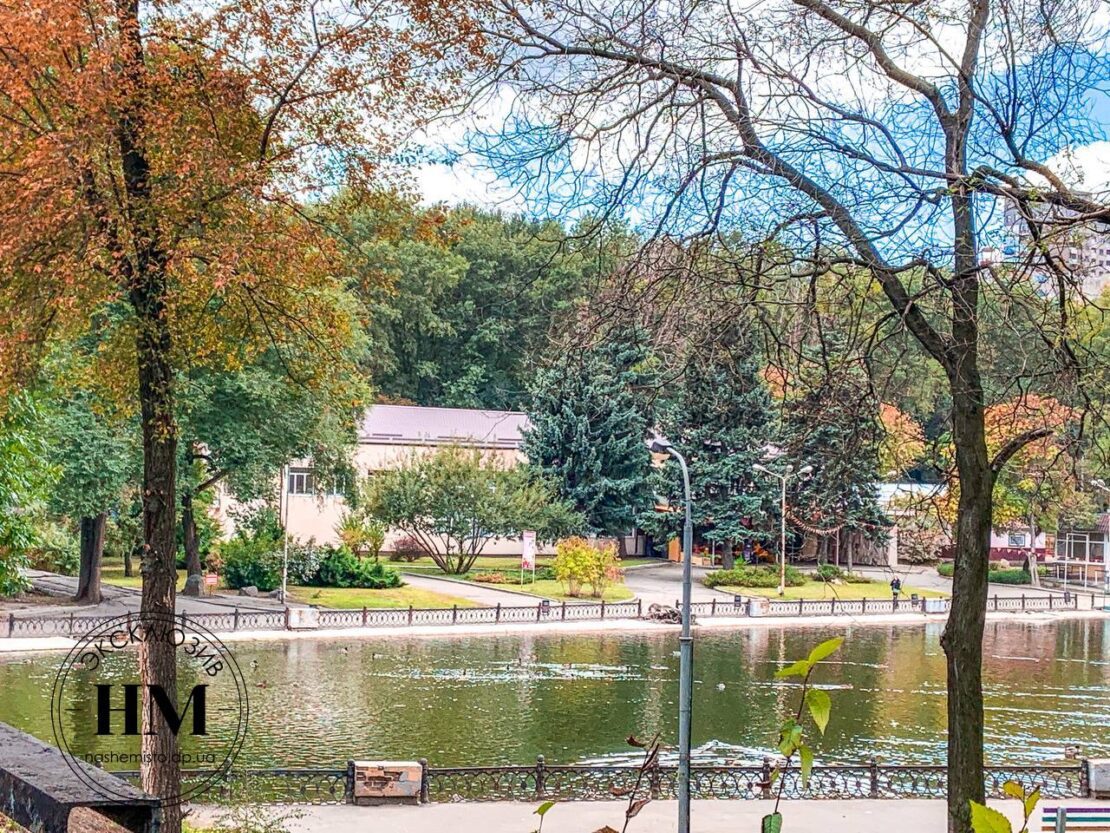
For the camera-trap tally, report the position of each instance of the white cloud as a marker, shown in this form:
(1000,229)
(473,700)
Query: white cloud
(464,183)
(1086,167)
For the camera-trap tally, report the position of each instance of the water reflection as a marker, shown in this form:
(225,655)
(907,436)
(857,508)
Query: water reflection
(506,699)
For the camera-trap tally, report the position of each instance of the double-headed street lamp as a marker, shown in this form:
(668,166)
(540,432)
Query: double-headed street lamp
(788,472)
(685,644)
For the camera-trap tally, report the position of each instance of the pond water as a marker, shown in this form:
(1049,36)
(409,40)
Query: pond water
(576,697)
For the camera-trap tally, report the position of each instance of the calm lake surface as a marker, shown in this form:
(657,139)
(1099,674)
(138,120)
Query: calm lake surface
(575,698)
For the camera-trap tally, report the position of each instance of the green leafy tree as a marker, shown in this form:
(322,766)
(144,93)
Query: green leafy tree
(95,454)
(589,420)
(455,501)
(721,423)
(24,481)
(462,304)
(243,426)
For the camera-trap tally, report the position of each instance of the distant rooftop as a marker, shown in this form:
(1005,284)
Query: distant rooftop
(417,425)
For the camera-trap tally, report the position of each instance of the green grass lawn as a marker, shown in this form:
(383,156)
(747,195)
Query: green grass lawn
(821,590)
(551,589)
(494,562)
(355,597)
(484,562)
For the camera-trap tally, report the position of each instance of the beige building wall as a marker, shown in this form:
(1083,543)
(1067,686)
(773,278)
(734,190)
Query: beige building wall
(314,517)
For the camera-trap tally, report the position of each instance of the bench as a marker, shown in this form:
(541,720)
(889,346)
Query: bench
(1071,819)
(40,791)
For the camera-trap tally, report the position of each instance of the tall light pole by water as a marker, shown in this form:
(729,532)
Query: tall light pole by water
(788,472)
(685,644)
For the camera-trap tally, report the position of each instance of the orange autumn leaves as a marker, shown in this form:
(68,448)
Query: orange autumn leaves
(251,114)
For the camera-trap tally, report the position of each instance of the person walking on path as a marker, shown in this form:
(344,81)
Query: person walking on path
(895,587)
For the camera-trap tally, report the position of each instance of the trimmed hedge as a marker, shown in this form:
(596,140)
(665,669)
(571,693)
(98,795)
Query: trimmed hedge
(1013,575)
(754,577)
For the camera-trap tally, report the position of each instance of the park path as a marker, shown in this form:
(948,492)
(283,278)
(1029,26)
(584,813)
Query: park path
(485,595)
(662,584)
(855,816)
(120,600)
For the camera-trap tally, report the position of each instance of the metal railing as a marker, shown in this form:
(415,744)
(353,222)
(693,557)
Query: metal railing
(541,781)
(872,780)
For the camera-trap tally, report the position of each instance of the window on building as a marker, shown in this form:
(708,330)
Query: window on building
(1017,539)
(300,482)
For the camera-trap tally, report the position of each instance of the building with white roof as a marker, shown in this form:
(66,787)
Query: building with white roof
(387,436)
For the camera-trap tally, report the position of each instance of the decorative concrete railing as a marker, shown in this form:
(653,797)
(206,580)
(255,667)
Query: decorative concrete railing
(319,618)
(541,781)
(14,625)
(747,606)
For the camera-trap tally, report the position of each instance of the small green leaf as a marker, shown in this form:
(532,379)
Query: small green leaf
(986,820)
(1014,790)
(772,823)
(797,669)
(541,811)
(826,648)
(820,707)
(806,755)
(1030,802)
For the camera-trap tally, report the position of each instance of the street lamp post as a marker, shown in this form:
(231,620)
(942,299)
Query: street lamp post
(685,644)
(284,515)
(785,476)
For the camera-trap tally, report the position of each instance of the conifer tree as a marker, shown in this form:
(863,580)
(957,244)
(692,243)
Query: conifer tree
(722,423)
(589,420)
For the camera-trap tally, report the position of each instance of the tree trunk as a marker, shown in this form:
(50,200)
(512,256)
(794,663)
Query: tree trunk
(92,551)
(192,545)
(728,561)
(963,634)
(144,271)
(128,553)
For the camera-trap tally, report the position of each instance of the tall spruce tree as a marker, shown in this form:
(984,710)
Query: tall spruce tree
(837,431)
(589,420)
(722,422)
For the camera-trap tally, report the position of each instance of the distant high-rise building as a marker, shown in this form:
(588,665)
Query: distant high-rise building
(1083,251)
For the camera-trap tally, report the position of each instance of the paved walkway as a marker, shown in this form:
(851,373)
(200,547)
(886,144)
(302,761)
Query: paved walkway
(487,595)
(662,584)
(121,600)
(859,816)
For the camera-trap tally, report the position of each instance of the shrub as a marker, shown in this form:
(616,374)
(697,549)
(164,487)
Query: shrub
(408,548)
(491,578)
(827,572)
(510,576)
(58,550)
(946,568)
(340,568)
(856,578)
(252,561)
(578,563)
(1011,576)
(304,562)
(361,535)
(746,576)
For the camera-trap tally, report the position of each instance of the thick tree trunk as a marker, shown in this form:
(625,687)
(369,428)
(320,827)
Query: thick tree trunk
(92,550)
(963,635)
(128,553)
(728,560)
(192,545)
(144,269)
